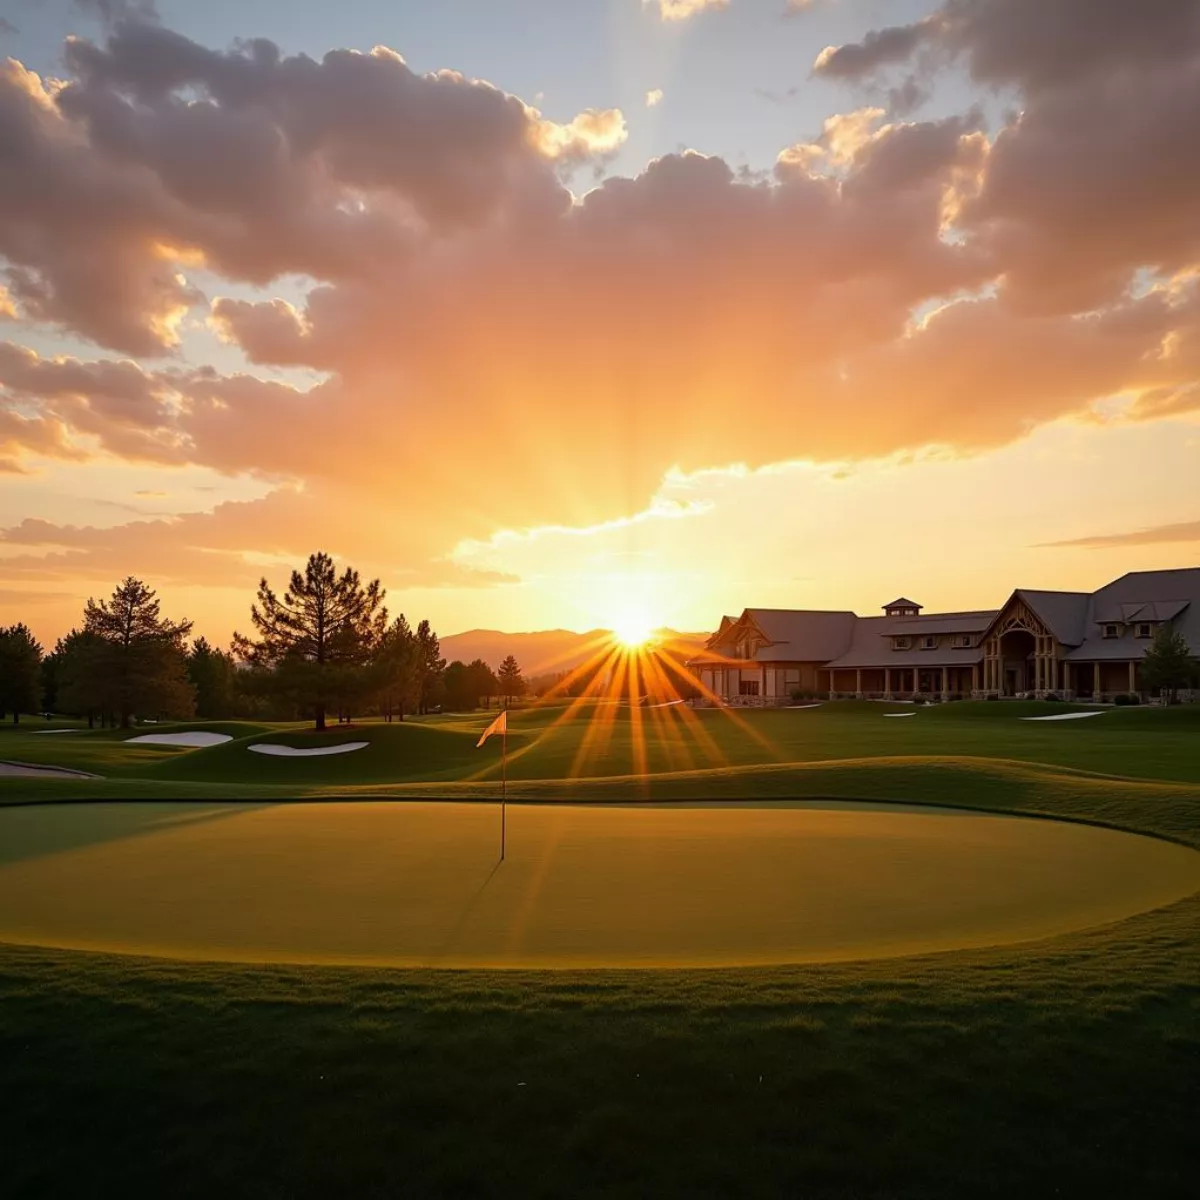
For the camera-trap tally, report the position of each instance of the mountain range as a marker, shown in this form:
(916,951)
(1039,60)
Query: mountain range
(548,651)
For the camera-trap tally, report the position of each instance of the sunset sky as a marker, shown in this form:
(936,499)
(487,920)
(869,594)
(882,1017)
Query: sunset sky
(548,312)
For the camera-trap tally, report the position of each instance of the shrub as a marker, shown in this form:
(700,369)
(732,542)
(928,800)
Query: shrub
(1052,696)
(1125,698)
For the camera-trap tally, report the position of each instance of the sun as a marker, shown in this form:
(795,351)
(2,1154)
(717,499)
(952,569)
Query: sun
(632,630)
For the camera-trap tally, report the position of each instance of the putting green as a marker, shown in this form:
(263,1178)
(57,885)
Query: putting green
(582,886)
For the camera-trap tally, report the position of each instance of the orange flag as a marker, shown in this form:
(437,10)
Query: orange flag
(499,725)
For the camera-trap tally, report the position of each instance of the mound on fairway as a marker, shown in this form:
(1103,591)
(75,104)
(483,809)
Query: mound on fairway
(619,886)
(387,754)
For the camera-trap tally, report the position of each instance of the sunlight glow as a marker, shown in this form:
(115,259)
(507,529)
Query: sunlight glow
(632,630)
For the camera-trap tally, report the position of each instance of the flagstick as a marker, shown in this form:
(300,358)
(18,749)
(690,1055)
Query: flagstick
(503,786)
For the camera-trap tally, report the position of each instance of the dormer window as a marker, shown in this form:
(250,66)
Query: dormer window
(903,607)
(902,643)
(963,641)
(1112,631)
(1145,630)
(929,642)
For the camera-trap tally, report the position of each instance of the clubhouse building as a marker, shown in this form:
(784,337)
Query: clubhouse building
(1073,645)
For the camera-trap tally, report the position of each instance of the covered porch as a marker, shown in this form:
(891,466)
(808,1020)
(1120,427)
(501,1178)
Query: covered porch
(945,681)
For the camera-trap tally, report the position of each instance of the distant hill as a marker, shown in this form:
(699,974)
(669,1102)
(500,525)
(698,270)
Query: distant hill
(548,650)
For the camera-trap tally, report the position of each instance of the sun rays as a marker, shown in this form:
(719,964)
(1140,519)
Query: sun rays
(635,694)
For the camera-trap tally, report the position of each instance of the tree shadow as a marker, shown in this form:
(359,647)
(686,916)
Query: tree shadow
(41,830)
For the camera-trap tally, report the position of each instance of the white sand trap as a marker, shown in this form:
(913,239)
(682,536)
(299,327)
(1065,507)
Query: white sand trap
(40,731)
(308,751)
(1064,716)
(799,706)
(194,737)
(912,714)
(11,770)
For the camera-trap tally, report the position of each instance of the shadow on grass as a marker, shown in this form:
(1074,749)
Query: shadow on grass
(43,830)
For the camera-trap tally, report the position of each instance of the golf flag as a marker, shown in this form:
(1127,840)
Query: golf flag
(499,725)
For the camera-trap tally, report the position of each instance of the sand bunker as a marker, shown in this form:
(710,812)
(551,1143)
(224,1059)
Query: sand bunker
(195,737)
(11,770)
(912,714)
(418,884)
(43,731)
(1064,716)
(797,706)
(307,751)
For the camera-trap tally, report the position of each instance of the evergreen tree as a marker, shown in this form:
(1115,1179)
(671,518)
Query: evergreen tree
(484,683)
(512,682)
(430,666)
(318,642)
(141,654)
(457,681)
(397,676)
(212,674)
(82,687)
(20,671)
(1168,664)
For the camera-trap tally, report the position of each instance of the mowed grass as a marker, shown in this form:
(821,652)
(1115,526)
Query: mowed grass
(559,747)
(1068,1066)
(581,886)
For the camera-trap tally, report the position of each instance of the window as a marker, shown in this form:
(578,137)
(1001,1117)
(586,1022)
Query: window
(1111,631)
(1144,630)
(963,641)
(791,678)
(929,642)
(748,687)
(901,643)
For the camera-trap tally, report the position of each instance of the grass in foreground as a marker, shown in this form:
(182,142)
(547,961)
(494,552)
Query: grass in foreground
(1069,1067)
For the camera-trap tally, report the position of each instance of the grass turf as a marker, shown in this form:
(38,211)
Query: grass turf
(1064,1067)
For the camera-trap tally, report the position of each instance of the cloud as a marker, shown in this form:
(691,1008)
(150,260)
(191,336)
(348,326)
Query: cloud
(681,10)
(654,97)
(1184,531)
(490,350)
(6,26)
(879,48)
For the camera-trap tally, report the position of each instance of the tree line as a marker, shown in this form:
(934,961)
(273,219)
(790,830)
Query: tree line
(324,649)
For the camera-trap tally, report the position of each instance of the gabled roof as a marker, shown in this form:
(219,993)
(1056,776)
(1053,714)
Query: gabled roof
(1063,613)
(802,636)
(953,622)
(871,645)
(1150,596)
(903,602)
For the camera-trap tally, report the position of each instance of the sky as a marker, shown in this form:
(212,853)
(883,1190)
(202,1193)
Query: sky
(567,315)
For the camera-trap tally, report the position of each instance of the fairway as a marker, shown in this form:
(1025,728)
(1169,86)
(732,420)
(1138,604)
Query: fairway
(419,884)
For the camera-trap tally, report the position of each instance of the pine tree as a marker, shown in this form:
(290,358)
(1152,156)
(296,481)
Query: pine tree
(142,654)
(20,671)
(211,672)
(82,687)
(483,681)
(431,666)
(1168,664)
(512,682)
(317,643)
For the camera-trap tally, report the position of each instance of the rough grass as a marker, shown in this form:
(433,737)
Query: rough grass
(1068,1067)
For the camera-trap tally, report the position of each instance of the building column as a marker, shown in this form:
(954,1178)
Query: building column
(858,683)
(974,678)
(945,683)
(1066,678)
(1095,681)
(887,683)
(1133,676)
